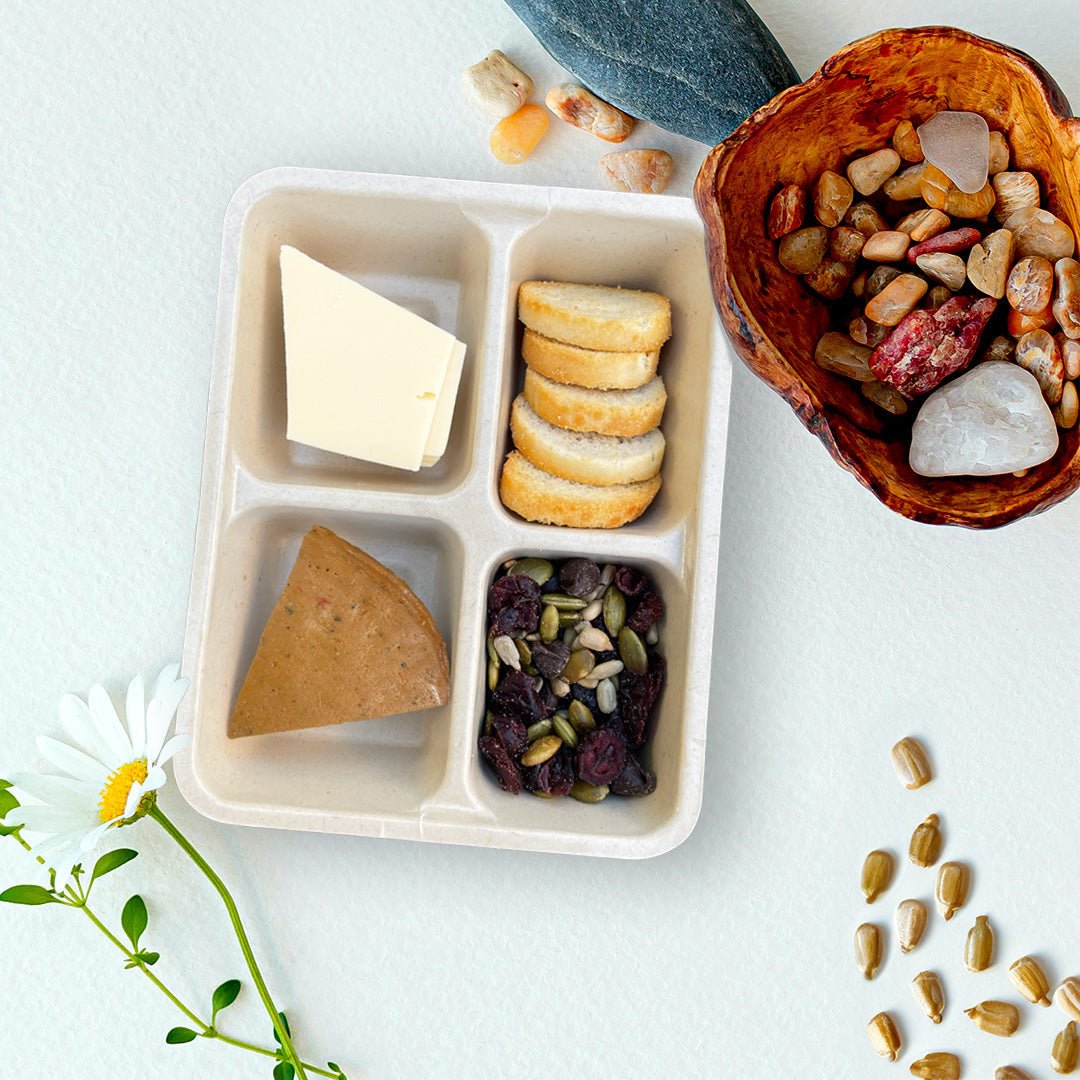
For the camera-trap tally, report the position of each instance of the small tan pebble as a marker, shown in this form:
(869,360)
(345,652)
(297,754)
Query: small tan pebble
(911,920)
(934,187)
(1018,325)
(1066,1051)
(859,330)
(1020,473)
(1038,353)
(868,949)
(951,890)
(950,270)
(925,847)
(926,987)
(1011,1072)
(975,207)
(979,946)
(868,173)
(989,261)
(1027,975)
(885,397)
(858,284)
(890,245)
(837,353)
(516,136)
(832,196)
(1038,232)
(582,109)
(884,1037)
(1001,348)
(896,300)
(831,278)
(923,224)
(879,277)
(1070,356)
(846,243)
(906,143)
(911,763)
(865,217)
(801,251)
(906,184)
(936,297)
(645,171)
(1030,285)
(1000,1018)
(877,874)
(936,1066)
(1067,997)
(787,211)
(999,153)
(1013,191)
(497,85)
(1066,305)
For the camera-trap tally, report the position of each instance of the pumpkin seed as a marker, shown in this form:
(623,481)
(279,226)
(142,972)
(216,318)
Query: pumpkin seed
(564,602)
(588,793)
(493,656)
(542,794)
(605,695)
(568,620)
(537,730)
(493,675)
(580,715)
(489,722)
(531,669)
(524,651)
(547,746)
(540,570)
(564,729)
(614,609)
(632,651)
(507,651)
(549,623)
(579,665)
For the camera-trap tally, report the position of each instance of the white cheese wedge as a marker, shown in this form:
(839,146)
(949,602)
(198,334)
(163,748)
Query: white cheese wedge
(365,377)
(444,409)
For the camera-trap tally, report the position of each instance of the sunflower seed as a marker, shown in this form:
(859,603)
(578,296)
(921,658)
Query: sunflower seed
(1029,978)
(593,610)
(563,602)
(605,695)
(588,793)
(493,656)
(884,1037)
(979,947)
(581,626)
(614,609)
(538,730)
(1000,1018)
(925,847)
(911,764)
(911,916)
(540,570)
(580,715)
(560,687)
(868,949)
(936,1067)
(652,635)
(1011,1072)
(926,987)
(607,575)
(507,651)
(562,727)
(1066,1050)
(547,746)
(549,623)
(953,882)
(579,665)
(877,874)
(568,636)
(632,652)
(592,638)
(590,682)
(1067,997)
(607,669)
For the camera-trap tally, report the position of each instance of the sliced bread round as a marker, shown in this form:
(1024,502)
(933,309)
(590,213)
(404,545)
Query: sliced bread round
(539,496)
(595,316)
(584,456)
(593,368)
(607,412)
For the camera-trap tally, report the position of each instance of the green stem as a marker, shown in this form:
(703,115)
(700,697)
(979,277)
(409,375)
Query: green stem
(241,935)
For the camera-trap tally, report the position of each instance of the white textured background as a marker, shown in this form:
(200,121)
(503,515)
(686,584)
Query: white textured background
(124,128)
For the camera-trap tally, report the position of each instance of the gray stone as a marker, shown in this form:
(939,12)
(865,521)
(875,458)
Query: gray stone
(697,67)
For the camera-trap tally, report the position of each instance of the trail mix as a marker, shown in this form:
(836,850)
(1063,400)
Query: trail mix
(926,284)
(573,678)
(1028,979)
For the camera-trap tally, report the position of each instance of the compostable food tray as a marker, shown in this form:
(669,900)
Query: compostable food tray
(454,252)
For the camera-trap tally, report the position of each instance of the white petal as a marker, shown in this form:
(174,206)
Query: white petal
(81,729)
(173,746)
(57,790)
(134,795)
(50,819)
(90,840)
(109,727)
(167,676)
(63,843)
(72,761)
(135,713)
(155,779)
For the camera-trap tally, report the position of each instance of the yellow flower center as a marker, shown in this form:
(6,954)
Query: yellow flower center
(113,799)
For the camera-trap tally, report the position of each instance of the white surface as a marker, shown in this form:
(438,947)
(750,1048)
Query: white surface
(125,129)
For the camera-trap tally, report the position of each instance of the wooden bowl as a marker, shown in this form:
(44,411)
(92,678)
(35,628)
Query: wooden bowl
(852,105)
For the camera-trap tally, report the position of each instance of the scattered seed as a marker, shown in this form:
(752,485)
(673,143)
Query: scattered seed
(579,665)
(523,650)
(547,746)
(507,651)
(607,669)
(605,695)
(588,793)
(489,722)
(937,1066)
(568,620)
(1011,1072)
(538,730)
(652,635)
(560,687)
(614,610)
(564,602)
(493,674)
(549,623)
(911,919)
(1030,980)
(1067,997)
(979,947)
(632,652)
(564,729)
(868,949)
(607,575)
(1000,1018)
(540,570)
(593,610)
(953,882)
(1066,1051)
(926,987)
(595,639)
(911,764)
(580,715)
(884,1037)
(877,874)
(925,847)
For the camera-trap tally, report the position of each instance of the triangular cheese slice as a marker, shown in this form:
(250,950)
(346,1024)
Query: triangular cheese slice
(347,640)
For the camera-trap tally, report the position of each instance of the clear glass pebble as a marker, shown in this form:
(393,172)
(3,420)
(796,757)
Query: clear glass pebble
(958,143)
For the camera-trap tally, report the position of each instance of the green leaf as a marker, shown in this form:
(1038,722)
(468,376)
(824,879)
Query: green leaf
(181,1035)
(9,830)
(284,1070)
(134,920)
(285,1024)
(224,996)
(7,800)
(334,1067)
(110,861)
(31,895)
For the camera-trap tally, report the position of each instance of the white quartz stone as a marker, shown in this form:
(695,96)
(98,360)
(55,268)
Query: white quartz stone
(958,143)
(989,421)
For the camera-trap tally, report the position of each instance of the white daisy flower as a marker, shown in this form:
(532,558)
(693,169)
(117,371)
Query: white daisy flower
(112,772)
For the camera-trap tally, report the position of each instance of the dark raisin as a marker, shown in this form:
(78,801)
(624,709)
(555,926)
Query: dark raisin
(506,770)
(517,696)
(601,756)
(554,776)
(585,696)
(511,733)
(513,606)
(604,655)
(637,697)
(630,581)
(634,779)
(551,658)
(579,577)
(650,610)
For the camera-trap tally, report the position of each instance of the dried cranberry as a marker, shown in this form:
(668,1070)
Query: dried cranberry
(517,696)
(511,733)
(506,770)
(551,658)
(630,581)
(579,577)
(601,756)
(637,697)
(634,779)
(554,776)
(650,610)
(513,605)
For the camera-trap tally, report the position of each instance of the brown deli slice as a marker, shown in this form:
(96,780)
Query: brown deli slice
(347,640)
